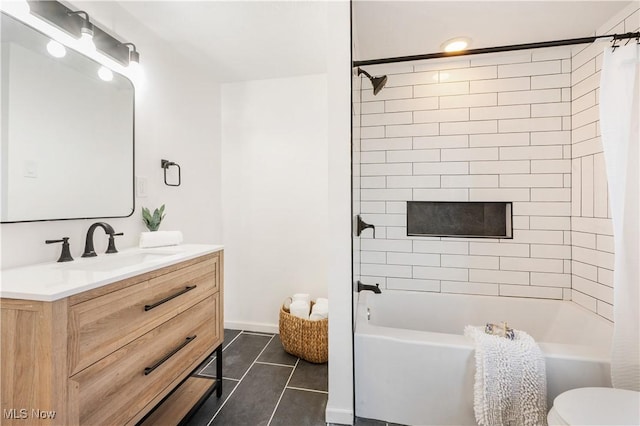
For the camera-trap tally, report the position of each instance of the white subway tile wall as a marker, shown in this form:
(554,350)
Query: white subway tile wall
(520,127)
(488,129)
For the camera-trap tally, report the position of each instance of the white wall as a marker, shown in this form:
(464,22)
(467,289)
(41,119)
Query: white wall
(274,134)
(177,118)
(340,402)
(482,128)
(591,227)
(274,180)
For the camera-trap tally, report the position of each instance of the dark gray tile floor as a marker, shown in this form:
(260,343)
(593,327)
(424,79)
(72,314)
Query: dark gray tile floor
(263,385)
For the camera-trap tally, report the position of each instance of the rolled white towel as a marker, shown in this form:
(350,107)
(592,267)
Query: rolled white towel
(316,317)
(319,312)
(287,304)
(160,239)
(300,309)
(301,296)
(322,301)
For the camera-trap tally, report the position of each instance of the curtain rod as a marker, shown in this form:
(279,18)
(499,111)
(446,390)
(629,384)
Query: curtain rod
(512,47)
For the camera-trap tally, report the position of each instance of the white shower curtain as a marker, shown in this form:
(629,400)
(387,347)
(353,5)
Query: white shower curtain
(619,122)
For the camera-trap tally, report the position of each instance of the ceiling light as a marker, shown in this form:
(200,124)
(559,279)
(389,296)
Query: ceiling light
(78,32)
(56,49)
(105,73)
(456,44)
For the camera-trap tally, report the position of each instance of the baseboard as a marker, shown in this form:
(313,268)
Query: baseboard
(338,416)
(259,327)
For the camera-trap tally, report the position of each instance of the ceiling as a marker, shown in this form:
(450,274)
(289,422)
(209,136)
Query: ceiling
(240,40)
(401,28)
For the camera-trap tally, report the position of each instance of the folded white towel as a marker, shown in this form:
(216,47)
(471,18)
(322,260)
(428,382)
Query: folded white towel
(160,239)
(322,301)
(300,309)
(510,381)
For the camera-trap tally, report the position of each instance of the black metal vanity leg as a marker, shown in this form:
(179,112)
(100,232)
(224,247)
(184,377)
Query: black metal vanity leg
(219,371)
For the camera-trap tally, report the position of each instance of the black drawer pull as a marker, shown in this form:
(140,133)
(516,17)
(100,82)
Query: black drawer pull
(188,340)
(166,299)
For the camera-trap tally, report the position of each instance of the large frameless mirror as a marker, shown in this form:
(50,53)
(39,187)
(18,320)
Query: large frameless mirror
(67,132)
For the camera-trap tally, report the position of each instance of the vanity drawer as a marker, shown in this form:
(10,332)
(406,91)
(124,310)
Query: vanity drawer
(100,326)
(118,387)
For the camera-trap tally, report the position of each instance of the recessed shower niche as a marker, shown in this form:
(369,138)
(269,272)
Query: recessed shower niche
(459,219)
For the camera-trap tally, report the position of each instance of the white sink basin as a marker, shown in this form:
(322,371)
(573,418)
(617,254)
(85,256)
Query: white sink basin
(110,262)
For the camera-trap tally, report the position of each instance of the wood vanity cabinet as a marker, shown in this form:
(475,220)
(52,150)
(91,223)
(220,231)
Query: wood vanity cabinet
(108,356)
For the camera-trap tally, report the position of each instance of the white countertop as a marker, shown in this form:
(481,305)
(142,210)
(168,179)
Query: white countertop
(52,281)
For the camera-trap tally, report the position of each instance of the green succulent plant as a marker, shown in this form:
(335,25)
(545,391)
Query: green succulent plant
(153,221)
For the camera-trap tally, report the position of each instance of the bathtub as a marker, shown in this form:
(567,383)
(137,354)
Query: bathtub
(414,366)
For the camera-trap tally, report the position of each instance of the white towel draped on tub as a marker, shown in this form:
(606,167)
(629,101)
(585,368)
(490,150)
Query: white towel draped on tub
(510,381)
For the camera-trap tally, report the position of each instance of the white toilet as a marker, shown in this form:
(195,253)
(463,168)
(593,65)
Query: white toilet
(595,406)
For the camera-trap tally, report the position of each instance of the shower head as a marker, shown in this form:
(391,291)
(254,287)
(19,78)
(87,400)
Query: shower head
(377,82)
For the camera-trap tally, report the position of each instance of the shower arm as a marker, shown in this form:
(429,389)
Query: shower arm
(361,71)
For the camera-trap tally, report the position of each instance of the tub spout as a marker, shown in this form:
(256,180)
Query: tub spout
(374,288)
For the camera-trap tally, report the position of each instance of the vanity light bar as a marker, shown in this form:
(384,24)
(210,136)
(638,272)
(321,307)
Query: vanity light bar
(69,21)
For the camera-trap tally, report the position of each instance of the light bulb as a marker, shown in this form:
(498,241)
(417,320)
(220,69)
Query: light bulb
(105,73)
(86,40)
(56,49)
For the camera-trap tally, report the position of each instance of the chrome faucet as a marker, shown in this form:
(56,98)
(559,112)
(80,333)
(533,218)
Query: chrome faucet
(89,251)
(374,288)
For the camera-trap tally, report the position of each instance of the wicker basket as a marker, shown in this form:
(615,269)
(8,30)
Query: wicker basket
(303,338)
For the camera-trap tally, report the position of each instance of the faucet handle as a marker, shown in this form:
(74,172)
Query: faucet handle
(112,242)
(65,255)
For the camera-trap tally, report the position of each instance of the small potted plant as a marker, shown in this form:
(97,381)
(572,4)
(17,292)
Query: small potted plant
(152,221)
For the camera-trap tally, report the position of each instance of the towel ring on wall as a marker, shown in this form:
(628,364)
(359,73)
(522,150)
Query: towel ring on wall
(165,164)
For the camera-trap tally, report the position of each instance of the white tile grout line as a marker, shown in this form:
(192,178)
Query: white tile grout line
(282,393)
(232,340)
(213,377)
(200,373)
(214,358)
(242,378)
(307,390)
(255,333)
(275,363)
